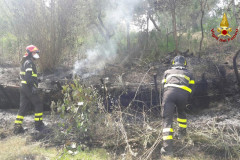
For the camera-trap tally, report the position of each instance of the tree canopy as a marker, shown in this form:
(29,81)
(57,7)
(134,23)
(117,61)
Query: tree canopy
(67,31)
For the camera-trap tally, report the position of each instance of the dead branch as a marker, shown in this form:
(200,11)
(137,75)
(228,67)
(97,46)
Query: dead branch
(105,92)
(101,31)
(139,87)
(108,35)
(124,133)
(154,23)
(156,88)
(149,152)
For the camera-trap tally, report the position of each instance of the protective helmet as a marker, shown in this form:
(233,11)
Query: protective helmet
(32,50)
(179,61)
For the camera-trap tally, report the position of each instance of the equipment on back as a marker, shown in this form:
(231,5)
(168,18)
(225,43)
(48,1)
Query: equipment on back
(179,61)
(28,73)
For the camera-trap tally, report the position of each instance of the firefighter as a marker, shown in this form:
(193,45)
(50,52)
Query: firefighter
(29,91)
(177,84)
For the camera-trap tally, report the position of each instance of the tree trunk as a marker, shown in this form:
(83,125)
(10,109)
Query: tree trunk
(234,13)
(167,39)
(53,34)
(202,10)
(146,46)
(1,53)
(201,3)
(154,23)
(174,24)
(100,30)
(147,37)
(19,52)
(128,37)
(2,49)
(106,30)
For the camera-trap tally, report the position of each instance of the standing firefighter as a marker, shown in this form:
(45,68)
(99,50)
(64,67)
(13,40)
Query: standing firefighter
(28,90)
(177,83)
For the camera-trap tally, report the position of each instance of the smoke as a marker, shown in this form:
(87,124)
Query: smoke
(118,13)
(96,59)
(122,10)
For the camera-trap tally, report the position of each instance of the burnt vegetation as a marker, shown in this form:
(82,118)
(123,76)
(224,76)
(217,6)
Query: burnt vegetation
(100,70)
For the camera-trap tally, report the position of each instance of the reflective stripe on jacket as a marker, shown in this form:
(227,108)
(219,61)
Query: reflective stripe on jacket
(28,73)
(179,78)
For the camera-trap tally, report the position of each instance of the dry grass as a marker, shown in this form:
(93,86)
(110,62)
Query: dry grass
(135,136)
(17,148)
(216,133)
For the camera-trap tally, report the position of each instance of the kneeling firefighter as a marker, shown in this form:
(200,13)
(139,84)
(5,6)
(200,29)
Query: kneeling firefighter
(29,91)
(177,83)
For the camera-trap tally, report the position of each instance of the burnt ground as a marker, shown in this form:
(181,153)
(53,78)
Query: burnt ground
(213,133)
(214,111)
(8,117)
(214,76)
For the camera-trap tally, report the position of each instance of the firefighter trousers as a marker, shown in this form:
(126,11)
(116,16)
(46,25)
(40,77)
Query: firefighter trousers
(28,99)
(173,99)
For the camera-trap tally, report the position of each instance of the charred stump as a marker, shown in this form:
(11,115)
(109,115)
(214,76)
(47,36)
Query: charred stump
(235,67)
(200,98)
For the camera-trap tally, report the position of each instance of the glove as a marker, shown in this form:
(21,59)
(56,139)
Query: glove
(189,106)
(34,90)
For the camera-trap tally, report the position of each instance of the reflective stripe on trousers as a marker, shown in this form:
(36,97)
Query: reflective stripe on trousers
(167,133)
(19,119)
(38,117)
(182,122)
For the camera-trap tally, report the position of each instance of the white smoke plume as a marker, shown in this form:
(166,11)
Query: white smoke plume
(97,57)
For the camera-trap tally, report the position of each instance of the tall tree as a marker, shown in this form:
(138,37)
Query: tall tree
(172,4)
(203,6)
(46,26)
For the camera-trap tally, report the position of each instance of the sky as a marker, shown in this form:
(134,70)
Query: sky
(224,2)
(237,1)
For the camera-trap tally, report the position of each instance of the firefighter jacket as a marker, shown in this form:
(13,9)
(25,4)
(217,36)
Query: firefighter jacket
(178,77)
(28,73)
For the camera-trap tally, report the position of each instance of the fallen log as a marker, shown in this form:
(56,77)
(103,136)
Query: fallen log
(142,96)
(10,96)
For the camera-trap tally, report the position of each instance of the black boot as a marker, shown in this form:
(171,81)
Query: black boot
(167,148)
(166,152)
(18,129)
(182,133)
(39,126)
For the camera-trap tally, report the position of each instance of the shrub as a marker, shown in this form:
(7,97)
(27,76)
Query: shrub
(79,110)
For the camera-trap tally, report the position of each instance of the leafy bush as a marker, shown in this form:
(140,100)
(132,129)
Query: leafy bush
(79,110)
(8,49)
(84,120)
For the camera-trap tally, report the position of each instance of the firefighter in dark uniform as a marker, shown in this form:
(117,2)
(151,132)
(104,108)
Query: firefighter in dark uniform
(177,84)
(28,91)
